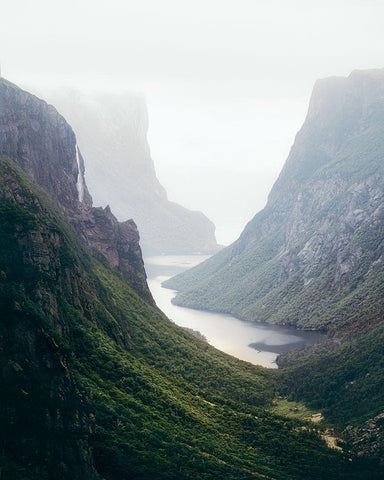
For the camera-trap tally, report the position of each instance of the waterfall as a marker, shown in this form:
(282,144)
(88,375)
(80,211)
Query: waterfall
(80,179)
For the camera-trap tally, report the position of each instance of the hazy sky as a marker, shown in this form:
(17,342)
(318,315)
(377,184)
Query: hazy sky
(227,82)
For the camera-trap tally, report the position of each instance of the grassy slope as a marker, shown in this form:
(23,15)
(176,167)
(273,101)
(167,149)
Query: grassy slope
(165,404)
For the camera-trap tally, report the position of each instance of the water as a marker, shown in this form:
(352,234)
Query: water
(80,179)
(257,343)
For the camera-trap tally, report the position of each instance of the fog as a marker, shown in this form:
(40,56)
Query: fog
(227,83)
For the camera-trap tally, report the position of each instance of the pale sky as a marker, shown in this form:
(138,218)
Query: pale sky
(227,82)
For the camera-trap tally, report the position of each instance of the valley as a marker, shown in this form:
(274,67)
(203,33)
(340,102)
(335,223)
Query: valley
(99,384)
(259,344)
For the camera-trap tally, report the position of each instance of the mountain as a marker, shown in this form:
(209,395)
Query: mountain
(112,133)
(313,258)
(41,142)
(96,383)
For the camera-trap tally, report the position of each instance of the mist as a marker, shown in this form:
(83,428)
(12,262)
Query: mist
(227,84)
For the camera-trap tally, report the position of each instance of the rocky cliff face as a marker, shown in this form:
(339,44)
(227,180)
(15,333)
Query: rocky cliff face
(112,133)
(40,141)
(314,256)
(368,438)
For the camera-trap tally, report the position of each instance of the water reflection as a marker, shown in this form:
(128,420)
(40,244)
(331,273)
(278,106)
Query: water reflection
(257,343)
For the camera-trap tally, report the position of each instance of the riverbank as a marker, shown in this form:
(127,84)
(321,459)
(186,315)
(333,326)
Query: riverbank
(259,344)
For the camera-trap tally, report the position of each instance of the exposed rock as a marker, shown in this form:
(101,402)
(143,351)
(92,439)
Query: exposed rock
(313,257)
(35,136)
(112,133)
(368,439)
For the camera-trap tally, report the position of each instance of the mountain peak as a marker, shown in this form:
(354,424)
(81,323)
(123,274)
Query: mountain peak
(333,95)
(308,245)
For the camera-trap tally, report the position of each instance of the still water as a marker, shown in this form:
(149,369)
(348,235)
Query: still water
(257,343)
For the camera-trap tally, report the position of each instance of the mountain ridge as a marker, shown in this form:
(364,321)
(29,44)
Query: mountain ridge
(305,246)
(313,258)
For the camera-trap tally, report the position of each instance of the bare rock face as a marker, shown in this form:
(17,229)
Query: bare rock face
(35,136)
(117,242)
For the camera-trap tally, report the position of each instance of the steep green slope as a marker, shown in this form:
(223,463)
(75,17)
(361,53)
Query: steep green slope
(314,256)
(347,384)
(97,383)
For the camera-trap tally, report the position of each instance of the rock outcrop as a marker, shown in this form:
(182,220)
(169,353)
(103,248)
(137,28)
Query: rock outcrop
(35,136)
(112,133)
(367,439)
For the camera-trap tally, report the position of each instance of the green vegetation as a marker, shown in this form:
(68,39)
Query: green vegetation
(289,408)
(312,257)
(91,364)
(347,384)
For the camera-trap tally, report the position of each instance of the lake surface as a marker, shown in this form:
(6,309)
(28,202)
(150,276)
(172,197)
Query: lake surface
(257,343)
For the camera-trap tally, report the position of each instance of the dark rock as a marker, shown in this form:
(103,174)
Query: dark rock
(368,438)
(36,137)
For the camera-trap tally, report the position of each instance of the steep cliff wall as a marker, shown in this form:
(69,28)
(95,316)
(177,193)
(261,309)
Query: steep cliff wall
(40,141)
(40,398)
(112,133)
(314,256)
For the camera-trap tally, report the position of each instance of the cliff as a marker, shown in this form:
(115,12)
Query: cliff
(313,257)
(39,140)
(112,133)
(40,397)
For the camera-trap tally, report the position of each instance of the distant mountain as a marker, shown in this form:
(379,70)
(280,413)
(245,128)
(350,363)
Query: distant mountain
(314,257)
(96,383)
(112,134)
